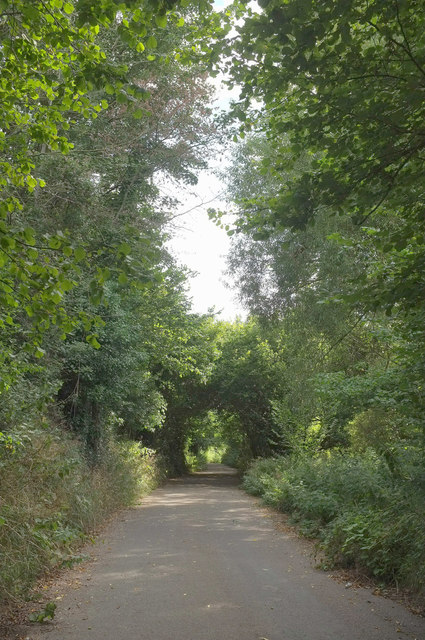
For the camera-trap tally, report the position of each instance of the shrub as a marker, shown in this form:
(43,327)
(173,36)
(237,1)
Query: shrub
(364,514)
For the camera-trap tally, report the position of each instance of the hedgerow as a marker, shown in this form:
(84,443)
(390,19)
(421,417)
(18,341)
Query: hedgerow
(364,514)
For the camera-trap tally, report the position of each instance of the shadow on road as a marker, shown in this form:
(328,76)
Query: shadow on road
(216,475)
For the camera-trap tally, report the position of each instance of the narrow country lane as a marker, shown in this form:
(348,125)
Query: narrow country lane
(198,560)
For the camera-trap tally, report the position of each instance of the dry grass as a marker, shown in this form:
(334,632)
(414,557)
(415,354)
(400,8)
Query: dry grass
(51,500)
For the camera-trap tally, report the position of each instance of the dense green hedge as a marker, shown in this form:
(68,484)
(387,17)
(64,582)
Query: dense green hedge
(363,514)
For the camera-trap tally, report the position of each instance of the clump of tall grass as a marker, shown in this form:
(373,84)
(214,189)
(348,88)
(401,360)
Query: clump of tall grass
(51,499)
(364,514)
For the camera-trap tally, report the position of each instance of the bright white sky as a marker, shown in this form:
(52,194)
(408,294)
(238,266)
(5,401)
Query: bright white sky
(200,244)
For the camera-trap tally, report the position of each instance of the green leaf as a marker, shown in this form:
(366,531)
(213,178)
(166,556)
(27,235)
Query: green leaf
(161,21)
(124,248)
(79,254)
(67,285)
(151,42)
(29,236)
(92,340)
(48,613)
(54,243)
(31,182)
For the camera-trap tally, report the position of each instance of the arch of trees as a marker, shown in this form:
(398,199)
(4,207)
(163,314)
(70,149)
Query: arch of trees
(100,101)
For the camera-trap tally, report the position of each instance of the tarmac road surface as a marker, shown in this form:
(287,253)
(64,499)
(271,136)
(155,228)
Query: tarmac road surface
(199,560)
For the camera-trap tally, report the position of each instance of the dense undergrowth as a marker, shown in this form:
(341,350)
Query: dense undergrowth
(52,499)
(364,514)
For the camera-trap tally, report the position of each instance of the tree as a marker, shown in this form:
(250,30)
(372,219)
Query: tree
(340,359)
(55,72)
(248,380)
(183,377)
(344,82)
(97,227)
(339,86)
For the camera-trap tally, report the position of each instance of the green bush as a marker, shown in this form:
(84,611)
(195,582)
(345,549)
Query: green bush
(364,514)
(51,499)
(237,455)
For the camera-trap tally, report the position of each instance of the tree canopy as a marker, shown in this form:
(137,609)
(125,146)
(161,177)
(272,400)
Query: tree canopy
(65,63)
(100,103)
(101,99)
(341,83)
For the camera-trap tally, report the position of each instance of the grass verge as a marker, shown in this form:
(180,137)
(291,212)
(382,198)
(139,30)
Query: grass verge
(51,500)
(364,515)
